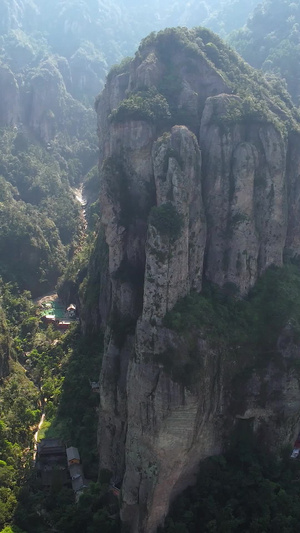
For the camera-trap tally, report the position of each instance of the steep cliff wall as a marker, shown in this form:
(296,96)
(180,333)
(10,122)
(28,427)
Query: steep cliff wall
(199,171)
(9,104)
(5,347)
(34,95)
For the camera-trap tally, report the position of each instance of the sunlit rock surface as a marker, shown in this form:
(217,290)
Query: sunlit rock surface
(229,186)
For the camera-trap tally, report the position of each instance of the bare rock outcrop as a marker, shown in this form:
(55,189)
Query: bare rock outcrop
(245,195)
(48,107)
(37,99)
(196,183)
(9,102)
(174,262)
(5,347)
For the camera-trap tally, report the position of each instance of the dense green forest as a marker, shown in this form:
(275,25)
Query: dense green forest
(43,371)
(47,145)
(20,401)
(271,41)
(245,329)
(94,34)
(245,490)
(39,215)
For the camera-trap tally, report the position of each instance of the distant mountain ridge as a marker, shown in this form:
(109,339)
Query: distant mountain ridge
(95,34)
(271,41)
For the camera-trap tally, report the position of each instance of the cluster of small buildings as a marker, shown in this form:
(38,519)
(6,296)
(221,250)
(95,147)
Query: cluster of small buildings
(61,319)
(56,463)
(75,471)
(51,462)
(296,449)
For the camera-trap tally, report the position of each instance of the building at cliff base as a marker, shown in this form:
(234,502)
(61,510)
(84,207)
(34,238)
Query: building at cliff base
(76,472)
(51,462)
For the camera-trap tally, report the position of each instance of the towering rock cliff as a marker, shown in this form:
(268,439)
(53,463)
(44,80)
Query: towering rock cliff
(5,346)
(37,99)
(199,180)
(9,105)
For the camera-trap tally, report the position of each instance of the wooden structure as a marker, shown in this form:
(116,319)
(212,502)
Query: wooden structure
(71,311)
(49,319)
(62,324)
(76,472)
(73,456)
(95,386)
(51,462)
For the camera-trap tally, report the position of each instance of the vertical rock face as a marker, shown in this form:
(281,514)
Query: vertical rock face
(5,346)
(245,196)
(37,99)
(293,193)
(195,183)
(14,13)
(174,265)
(48,107)
(9,102)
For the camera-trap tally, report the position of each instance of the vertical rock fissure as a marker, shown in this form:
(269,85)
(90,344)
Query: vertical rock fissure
(229,201)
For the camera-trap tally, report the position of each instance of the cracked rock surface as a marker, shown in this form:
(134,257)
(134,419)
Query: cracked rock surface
(230,187)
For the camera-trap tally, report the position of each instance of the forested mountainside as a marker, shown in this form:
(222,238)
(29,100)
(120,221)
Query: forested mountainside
(199,179)
(53,61)
(40,218)
(94,34)
(47,146)
(271,41)
(184,268)
(44,371)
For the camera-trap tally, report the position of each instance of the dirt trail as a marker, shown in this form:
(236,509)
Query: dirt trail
(36,436)
(53,297)
(79,196)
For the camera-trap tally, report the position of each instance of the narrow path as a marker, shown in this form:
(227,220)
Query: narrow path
(80,198)
(36,436)
(79,195)
(50,297)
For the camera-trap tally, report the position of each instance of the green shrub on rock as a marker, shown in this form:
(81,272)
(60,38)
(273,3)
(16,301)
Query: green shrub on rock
(148,105)
(166,219)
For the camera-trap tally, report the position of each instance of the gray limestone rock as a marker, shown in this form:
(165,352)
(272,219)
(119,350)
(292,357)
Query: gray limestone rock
(198,196)
(10,98)
(245,196)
